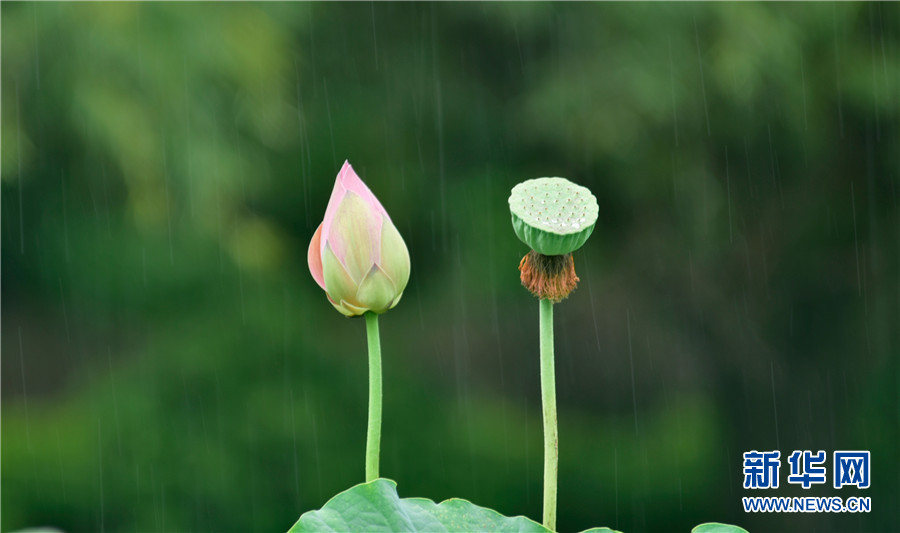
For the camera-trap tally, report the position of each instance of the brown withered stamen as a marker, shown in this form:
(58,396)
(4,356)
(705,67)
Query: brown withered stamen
(550,277)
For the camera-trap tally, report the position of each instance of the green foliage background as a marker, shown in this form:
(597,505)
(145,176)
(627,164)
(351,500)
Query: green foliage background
(168,364)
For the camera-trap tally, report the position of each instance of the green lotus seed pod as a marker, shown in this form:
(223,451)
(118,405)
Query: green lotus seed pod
(552,215)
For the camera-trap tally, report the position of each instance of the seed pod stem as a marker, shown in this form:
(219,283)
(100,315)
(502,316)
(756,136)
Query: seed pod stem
(551,425)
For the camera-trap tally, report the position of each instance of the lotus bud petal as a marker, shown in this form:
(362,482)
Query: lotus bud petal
(356,254)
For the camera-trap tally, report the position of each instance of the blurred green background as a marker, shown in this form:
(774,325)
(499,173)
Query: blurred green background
(170,365)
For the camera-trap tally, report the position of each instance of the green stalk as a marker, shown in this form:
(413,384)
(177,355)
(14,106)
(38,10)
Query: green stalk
(373,434)
(548,398)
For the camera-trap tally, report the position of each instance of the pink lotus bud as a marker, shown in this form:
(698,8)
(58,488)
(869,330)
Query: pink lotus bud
(357,255)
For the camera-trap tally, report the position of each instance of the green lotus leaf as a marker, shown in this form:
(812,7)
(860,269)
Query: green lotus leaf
(375,507)
(715,527)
